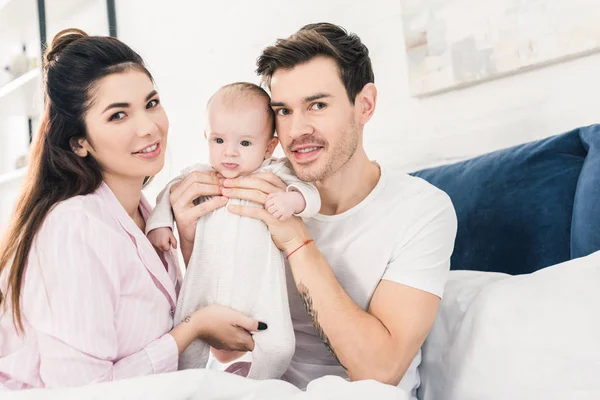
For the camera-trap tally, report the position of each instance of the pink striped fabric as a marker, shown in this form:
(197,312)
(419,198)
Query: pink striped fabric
(97,301)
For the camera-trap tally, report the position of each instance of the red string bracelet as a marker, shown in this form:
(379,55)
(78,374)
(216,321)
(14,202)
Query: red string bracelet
(298,248)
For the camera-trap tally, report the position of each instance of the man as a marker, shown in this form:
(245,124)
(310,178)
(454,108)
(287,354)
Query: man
(368,272)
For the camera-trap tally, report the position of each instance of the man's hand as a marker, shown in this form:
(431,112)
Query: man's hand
(287,235)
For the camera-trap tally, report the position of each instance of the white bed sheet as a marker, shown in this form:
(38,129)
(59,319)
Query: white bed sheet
(202,384)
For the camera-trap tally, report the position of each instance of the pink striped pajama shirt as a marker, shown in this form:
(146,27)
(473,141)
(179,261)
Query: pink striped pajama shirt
(97,300)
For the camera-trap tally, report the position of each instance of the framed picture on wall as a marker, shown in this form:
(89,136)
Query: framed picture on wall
(451,44)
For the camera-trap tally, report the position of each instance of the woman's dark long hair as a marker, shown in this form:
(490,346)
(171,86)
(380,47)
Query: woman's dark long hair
(73,65)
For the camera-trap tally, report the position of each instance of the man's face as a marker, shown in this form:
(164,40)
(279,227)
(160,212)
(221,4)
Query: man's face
(316,122)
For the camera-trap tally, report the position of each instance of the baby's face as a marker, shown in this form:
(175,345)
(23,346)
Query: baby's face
(239,139)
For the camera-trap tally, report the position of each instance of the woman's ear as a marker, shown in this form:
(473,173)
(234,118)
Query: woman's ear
(271,147)
(78,145)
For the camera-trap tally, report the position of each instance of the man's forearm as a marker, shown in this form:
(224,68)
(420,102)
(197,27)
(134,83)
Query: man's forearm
(355,338)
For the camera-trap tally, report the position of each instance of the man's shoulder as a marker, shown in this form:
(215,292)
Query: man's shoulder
(403,187)
(414,201)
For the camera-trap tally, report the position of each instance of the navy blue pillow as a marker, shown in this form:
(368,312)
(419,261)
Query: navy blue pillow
(515,206)
(585,229)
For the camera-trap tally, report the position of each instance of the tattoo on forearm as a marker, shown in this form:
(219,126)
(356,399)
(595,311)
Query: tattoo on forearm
(187,319)
(313,314)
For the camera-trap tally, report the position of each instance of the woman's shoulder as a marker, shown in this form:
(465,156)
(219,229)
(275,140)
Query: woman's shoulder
(83,211)
(77,236)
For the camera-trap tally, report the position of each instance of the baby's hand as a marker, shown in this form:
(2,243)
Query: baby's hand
(283,205)
(162,238)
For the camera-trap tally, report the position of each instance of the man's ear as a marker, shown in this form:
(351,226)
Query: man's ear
(79,146)
(271,147)
(365,103)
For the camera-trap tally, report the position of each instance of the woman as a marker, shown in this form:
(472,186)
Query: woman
(85,297)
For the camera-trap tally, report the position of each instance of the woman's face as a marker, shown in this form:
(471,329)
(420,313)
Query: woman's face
(127,127)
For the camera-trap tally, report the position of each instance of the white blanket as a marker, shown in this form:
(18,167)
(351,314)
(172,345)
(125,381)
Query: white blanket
(202,384)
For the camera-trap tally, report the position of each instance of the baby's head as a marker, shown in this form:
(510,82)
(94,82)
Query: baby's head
(240,129)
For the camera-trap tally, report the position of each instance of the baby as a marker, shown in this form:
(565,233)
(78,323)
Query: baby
(234,261)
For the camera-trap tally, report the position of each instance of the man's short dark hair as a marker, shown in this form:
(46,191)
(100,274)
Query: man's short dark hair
(321,39)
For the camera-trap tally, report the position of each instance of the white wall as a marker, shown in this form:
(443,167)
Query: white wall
(192,48)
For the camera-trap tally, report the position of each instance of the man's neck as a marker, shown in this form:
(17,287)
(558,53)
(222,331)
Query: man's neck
(348,186)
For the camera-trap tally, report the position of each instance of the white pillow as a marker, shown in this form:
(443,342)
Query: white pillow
(438,352)
(534,336)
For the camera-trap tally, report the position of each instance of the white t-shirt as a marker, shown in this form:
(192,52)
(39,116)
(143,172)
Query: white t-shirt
(403,231)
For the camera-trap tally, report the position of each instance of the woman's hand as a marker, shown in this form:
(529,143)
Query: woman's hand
(183,194)
(226,329)
(287,235)
(219,326)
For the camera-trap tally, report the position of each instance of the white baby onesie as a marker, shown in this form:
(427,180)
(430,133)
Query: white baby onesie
(235,263)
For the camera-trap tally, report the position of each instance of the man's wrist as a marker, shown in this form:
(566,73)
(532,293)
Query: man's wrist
(298,248)
(299,236)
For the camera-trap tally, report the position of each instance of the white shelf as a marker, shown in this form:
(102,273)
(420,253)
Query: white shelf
(22,96)
(19,82)
(12,177)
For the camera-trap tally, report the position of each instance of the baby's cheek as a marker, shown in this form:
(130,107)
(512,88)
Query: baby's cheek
(214,162)
(250,166)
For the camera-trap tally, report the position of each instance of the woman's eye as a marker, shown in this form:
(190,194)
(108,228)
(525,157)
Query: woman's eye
(318,106)
(219,141)
(117,116)
(283,111)
(153,103)
(245,143)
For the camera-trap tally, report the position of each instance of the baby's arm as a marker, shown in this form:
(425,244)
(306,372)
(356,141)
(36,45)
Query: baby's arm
(303,196)
(162,238)
(162,215)
(159,227)
(283,205)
